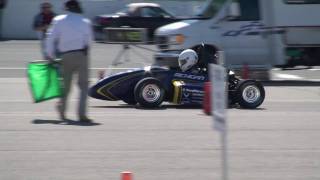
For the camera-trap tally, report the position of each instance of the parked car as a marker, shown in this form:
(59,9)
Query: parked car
(137,15)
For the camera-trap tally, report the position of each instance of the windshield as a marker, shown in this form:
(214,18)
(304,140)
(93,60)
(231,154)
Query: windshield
(162,13)
(124,11)
(211,8)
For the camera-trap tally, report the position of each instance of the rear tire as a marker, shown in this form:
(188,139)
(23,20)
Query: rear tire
(250,94)
(149,92)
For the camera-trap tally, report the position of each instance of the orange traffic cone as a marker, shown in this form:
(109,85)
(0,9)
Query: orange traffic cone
(126,175)
(207,98)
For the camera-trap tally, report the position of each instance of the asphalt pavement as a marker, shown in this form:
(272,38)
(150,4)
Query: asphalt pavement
(279,140)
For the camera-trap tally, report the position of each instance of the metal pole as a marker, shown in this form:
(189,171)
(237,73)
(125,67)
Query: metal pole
(219,112)
(225,167)
(224,134)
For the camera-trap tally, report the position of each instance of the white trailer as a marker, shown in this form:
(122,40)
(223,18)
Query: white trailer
(258,33)
(292,28)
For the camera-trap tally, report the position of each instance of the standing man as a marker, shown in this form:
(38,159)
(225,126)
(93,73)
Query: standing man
(72,34)
(41,23)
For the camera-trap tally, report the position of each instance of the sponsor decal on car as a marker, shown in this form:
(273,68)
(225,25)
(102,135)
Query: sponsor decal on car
(189,76)
(191,96)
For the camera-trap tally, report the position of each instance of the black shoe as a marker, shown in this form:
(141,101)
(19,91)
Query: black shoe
(61,114)
(85,120)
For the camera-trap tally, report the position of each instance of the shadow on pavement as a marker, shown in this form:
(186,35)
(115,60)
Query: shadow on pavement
(66,122)
(170,106)
(163,107)
(120,106)
(256,109)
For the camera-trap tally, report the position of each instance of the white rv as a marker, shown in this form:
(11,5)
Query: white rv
(258,33)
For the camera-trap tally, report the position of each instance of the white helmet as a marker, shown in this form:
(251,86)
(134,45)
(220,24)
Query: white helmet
(187,59)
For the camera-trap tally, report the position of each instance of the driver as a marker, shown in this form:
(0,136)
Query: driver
(188,60)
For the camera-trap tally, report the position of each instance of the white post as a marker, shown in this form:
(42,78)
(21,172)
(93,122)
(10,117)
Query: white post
(225,166)
(219,100)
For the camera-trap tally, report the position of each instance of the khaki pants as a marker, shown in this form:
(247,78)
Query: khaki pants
(75,62)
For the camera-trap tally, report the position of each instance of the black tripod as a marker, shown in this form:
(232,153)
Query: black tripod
(124,54)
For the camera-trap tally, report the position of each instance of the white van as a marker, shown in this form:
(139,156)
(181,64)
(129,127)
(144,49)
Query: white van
(258,33)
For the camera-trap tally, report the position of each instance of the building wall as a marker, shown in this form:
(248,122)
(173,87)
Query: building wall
(18,15)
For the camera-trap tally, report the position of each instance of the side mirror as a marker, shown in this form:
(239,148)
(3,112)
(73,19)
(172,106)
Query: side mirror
(233,11)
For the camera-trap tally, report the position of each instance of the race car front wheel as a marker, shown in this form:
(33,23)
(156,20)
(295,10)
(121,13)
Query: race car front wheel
(149,92)
(250,94)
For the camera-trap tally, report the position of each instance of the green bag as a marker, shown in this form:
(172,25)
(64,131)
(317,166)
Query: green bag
(44,81)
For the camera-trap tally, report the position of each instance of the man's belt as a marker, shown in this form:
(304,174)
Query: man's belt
(75,50)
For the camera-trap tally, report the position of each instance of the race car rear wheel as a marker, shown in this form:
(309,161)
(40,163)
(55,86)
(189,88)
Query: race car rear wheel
(250,94)
(149,92)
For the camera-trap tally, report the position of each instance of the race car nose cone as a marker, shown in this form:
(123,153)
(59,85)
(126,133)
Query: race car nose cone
(93,92)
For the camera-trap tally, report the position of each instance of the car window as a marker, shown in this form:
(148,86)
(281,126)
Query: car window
(211,8)
(149,12)
(161,12)
(250,10)
(124,11)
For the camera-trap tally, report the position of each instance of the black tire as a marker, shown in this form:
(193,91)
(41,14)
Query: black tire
(250,94)
(152,97)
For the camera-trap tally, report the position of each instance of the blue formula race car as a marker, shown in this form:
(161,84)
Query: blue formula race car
(153,85)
